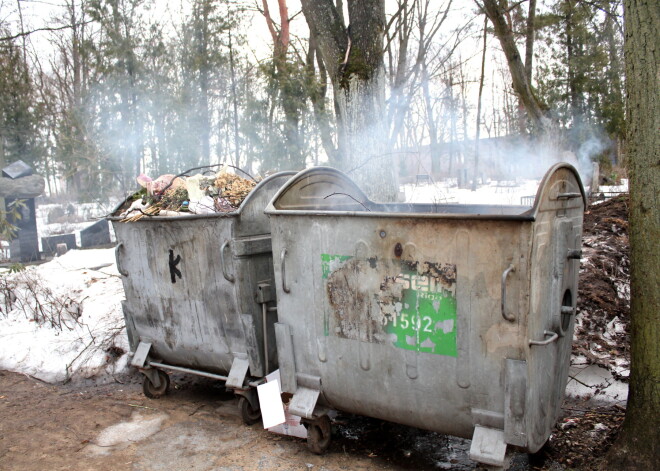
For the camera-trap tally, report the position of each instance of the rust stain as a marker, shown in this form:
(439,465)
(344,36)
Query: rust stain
(441,273)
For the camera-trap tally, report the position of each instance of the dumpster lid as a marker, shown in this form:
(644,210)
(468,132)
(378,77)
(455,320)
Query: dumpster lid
(328,191)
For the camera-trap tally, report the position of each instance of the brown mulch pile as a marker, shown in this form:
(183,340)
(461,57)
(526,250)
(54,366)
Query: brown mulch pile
(581,439)
(603,328)
(602,336)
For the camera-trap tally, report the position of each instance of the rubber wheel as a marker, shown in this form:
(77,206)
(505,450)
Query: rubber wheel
(152,391)
(249,414)
(319,434)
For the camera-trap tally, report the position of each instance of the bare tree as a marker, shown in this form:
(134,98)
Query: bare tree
(497,11)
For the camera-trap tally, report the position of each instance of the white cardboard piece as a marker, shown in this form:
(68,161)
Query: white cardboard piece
(291,426)
(270,402)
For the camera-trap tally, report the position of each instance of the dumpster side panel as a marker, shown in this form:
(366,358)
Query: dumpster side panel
(177,295)
(553,287)
(400,318)
(191,284)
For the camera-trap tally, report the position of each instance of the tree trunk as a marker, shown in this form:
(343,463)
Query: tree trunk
(290,91)
(475,171)
(202,35)
(637,445)
(570,60)
(529,40)
(317,95)
(434,146)
(353,58)
(496,11)
(234,101)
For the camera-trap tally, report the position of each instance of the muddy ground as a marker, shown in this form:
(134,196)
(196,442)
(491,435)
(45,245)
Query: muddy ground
(198,426)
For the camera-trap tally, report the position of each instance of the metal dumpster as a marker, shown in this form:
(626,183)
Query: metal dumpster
(199,295)
(451,318)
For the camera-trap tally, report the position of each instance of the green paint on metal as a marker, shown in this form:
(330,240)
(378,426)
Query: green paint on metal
(426,322)
(416,307)
(330,263)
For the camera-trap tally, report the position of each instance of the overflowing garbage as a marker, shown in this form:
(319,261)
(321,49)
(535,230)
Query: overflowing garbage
(176,195)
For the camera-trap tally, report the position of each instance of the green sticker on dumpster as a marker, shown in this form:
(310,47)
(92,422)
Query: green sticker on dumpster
(331,262)
(407,304)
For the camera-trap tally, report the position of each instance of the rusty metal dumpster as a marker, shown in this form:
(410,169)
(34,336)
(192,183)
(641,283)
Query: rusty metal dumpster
(199,295)
(451,318)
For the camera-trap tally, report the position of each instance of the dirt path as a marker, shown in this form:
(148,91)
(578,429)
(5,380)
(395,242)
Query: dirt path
(52,427)
(196,427)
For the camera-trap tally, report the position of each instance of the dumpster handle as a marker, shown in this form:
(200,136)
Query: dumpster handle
(283,269)
(553,336)
(505,274)
(227,276)
(117,258)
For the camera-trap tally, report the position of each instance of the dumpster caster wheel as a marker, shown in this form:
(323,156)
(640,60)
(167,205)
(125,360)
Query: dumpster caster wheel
(319,433)
(154,392)
(249,414)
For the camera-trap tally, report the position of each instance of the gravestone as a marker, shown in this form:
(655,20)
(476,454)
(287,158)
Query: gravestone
(49,244)
(19,183)
(16,170)
(95,235)
(25,246)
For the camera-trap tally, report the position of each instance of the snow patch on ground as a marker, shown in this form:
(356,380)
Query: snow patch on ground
(123,434)
(594,383)
(73,219)
(606,191)
(63,319)
(622,188)
(494,192)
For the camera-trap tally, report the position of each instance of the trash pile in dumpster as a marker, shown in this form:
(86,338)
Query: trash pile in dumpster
(176,195)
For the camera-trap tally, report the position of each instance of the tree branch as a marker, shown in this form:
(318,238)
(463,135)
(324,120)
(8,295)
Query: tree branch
(46,28)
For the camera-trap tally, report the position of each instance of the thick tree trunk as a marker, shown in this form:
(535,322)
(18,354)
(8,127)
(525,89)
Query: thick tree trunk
(637,446)
(317,95)
(354,61)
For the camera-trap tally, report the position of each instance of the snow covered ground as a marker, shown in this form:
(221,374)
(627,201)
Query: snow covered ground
(63,319)
(494,192)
